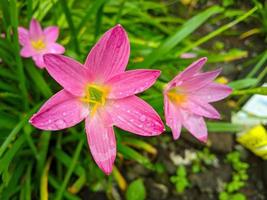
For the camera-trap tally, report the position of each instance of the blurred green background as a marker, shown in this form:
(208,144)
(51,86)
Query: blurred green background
(38,164)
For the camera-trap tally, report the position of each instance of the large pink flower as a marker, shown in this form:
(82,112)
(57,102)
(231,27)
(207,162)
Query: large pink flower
(102,93)
(187,100)
(37,42)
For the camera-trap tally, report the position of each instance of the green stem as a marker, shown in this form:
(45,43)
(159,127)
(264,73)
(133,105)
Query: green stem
(258,90)
(73,163)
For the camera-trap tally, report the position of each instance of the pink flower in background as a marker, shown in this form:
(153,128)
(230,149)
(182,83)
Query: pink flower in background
(188,55)
(102,93)
(187,100)
(36,42)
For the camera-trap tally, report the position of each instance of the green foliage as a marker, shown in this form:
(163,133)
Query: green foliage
(239,178)
(180,179)
(204,158)
(136,190)
(158,37)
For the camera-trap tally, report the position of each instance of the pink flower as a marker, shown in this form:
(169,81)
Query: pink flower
(188,55)
(102,93)
(37,42)
(187,100)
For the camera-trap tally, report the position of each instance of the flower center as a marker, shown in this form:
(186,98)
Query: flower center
(95,96)
(177,96)
(38,44)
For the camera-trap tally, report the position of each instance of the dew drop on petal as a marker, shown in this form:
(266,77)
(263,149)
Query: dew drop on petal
(60,123)
(143,118)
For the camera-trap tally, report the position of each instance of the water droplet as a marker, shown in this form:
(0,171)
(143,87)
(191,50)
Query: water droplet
(131,120)
(140,125)
(143,118)
(64,113)
(49,121)
(60,123)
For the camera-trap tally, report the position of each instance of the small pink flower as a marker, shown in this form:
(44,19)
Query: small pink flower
(37,42)
(188,55)
(102,93)
(187,100)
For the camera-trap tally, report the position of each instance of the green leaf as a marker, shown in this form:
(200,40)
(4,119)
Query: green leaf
(136,190)
(243,83)
(187,28)
(223,127)
(132,154)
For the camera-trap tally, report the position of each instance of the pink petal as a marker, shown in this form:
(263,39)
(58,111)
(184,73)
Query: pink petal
(51,33)
(110,55)
(193,69)
(189,72)
(35,30)
(173,118)
(102,142)
(213,92)
(61,111)
(56,48)
(23,36)
(195,124)
(69,73)
(131,82)
(200,80)
(39,60)
(135,115)
(202,108)
(26,51)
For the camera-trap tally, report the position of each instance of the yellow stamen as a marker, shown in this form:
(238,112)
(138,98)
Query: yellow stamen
(95,96)
(177,97)
(38,44)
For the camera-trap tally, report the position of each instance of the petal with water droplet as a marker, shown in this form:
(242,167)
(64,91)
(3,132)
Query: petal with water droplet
(131,82)
(62,110)
(195,124)
(173,118)
(142,118)
(102,142)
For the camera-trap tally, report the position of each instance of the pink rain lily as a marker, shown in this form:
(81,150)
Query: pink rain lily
(102,93)
(36,42)
(187,100)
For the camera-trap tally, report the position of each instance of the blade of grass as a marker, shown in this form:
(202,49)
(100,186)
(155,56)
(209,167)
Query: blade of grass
(7,158)
(28,180)
(93,9)
(258,66)
(72,28)
(56,185)
(98,21)
(21,75)
(128,152)
(44,181)
(43,149)
(39,80)
(186,29)
(216,32)
(16,130)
